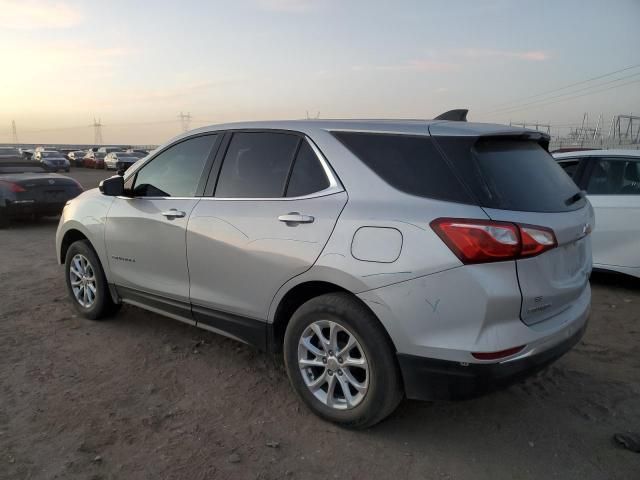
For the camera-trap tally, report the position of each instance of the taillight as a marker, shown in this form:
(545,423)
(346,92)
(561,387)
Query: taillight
(13,187)
(536,240)
(482,241)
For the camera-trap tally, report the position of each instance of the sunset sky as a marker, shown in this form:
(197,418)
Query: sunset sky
(136,65)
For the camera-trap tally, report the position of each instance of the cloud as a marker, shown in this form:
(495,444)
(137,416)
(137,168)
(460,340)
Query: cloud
(288,5)
(34,14)
(416,65)
(530,55)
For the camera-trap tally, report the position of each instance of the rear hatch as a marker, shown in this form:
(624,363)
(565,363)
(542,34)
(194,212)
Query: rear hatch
(514,179)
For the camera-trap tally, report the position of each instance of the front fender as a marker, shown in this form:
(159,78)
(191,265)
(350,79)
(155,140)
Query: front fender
(87,214)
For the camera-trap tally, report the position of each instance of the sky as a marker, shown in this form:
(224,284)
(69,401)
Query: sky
(136,65)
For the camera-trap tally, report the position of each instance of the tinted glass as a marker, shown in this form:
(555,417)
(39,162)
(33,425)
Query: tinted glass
(308,175)
(570,167)
(409,163)
(522,176)
(615,176)
(175,172)
(256,165)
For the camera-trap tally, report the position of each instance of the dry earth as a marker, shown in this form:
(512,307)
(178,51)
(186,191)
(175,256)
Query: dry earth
(142,396)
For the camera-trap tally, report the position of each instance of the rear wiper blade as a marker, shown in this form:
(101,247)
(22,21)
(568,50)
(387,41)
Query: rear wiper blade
(574,198)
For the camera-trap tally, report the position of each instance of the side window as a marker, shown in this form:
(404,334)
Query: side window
(308,175)
(175,172)
(570,166)
(256,165)
(615,176)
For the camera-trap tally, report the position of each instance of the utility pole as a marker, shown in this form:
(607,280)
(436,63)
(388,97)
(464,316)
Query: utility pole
(14,132)
(185,120)
(97,131)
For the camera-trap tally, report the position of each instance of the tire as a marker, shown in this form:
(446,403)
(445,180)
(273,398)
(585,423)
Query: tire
(102,305)
(382,378)
(4,219)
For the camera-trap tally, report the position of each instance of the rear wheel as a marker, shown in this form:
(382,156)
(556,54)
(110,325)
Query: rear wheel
(86,283)
(341,362)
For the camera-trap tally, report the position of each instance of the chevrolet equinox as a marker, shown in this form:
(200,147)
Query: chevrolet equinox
(384,258)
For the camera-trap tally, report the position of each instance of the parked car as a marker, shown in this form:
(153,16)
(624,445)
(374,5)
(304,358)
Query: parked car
(76,158)
(27,188)
(52,159)
(611,179)
(119,160)
(106,150)
(10,153)
(426,259)
(93,159)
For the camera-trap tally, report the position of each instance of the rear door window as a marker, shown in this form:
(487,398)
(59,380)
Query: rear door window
(614,176)
(411,164)
(257,165)
(570,167)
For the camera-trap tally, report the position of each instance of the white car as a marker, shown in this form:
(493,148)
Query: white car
(119,160)
(611,179)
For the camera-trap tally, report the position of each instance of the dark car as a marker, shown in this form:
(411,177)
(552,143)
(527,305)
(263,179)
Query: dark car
(76,157)
(28,189)
(52,160)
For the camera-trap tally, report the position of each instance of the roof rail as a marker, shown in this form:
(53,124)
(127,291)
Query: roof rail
(457,115)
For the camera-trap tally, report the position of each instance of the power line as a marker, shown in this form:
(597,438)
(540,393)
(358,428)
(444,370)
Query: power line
(575,96)
(518,100)
(507,109)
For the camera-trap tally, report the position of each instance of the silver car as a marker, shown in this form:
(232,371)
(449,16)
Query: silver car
(611,179)
(426,259)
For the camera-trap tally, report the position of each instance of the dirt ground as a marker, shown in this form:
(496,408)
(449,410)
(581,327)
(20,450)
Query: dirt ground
(142,396)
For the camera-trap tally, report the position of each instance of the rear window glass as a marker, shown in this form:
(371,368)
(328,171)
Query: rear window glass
(521,175)
(411,164)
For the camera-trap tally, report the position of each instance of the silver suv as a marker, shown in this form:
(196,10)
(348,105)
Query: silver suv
(387,258)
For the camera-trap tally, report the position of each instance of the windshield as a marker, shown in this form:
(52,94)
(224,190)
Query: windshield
(51,155)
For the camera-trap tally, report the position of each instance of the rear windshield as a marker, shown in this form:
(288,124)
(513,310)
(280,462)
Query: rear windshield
(521,175)
(411,164)
(511,174)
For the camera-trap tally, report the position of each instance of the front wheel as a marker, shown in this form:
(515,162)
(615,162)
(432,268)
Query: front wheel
(86,282)
(341,362)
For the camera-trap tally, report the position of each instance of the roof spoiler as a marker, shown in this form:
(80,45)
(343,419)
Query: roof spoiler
(457,115)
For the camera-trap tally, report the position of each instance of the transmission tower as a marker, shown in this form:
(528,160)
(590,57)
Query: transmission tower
(185,120)
(97,131)
(14,132)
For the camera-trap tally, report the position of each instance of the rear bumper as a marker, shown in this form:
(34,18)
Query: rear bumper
(26,209)
(433,379)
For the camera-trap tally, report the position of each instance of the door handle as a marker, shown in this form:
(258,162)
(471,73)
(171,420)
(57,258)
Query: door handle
(173,213)
(295,218)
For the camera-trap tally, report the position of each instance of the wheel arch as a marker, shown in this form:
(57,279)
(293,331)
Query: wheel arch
(299,294)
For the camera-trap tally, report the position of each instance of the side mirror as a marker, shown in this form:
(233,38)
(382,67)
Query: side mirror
(112,186)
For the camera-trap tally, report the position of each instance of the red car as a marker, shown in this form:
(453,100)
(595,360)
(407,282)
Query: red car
(93,160)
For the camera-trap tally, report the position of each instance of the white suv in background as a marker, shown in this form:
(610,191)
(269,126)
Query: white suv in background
(611,179)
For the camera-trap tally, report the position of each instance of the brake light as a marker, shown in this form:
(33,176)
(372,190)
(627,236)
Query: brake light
(13,187)
(483,241)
